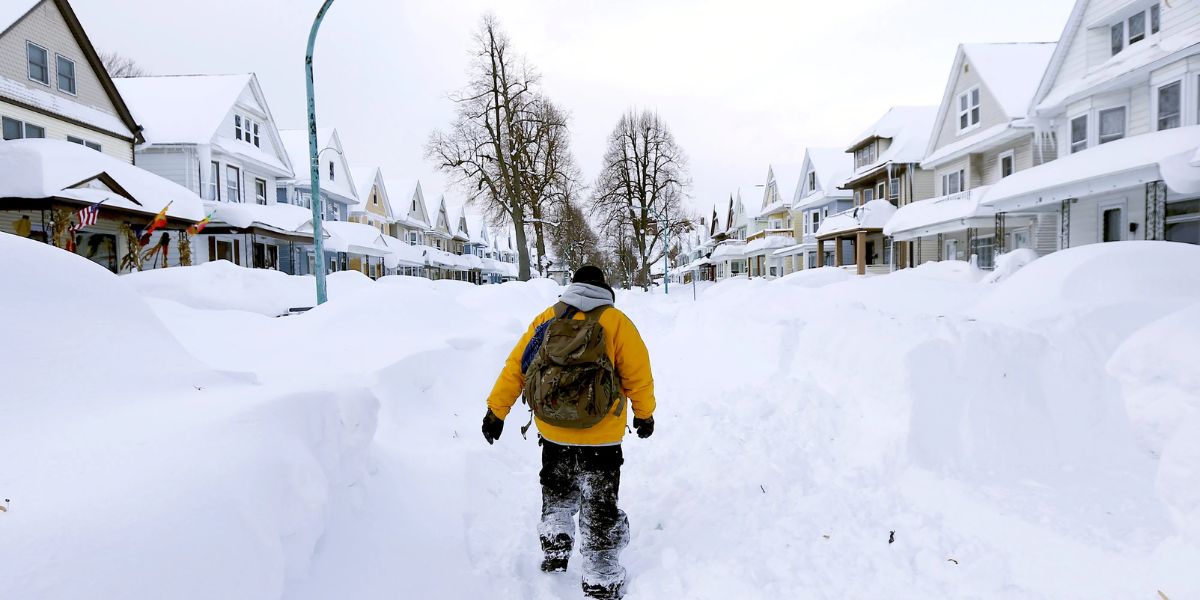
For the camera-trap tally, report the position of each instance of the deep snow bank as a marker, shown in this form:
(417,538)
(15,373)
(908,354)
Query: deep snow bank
(136,471)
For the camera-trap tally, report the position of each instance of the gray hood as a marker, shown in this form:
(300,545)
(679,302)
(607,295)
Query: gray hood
(586,296)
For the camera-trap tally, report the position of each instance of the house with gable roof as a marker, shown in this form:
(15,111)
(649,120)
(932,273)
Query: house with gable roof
(338,190)
(214,134)
(727,257)
(410,216)
(53,84)
(981,136)
(69,140)
(1118,112)
(817,196)
(373,207)
(887,175)
(772,229)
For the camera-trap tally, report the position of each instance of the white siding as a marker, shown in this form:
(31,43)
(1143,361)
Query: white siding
(946,169)
(174,164)
(990,112)
(59,130)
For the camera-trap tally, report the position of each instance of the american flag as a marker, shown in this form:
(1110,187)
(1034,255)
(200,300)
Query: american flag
(87,216)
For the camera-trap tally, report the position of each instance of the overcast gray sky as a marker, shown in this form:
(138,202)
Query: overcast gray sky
(742,83)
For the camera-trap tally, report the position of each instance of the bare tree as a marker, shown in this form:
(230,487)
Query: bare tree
(640,190)
(508,146)
(119,65)
(572,237)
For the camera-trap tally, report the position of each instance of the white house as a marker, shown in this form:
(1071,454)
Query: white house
(338,191)
(816,197)
(981,136)
(214,135)
(1119,111)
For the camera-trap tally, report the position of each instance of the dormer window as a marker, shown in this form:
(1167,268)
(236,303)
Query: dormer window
(864,156)
(812,181)
(1132,29)
(968,109)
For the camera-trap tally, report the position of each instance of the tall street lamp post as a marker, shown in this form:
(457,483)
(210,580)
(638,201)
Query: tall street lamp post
(314,165)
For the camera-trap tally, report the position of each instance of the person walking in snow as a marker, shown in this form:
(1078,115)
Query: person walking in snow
(576,366)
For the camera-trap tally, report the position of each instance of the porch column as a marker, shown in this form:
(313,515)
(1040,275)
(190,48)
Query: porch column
(820,253)
(901,252)
(837,251)
(860,251)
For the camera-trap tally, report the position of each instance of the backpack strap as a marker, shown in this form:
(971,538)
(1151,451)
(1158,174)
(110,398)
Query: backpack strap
(594,314)
(562,310)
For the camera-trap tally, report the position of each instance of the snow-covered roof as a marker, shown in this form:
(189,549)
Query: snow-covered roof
(248,151)
(908,128)
(833,166)
(182,109)
(787,179)
(767,244)
(995,134)
(354,238)
(278,216)
(295,142)
(43,168)
(401,193)
(1131,161)
(66,107)
(789,250)
(929,217)
(728,250)
(1053,94)
(401,253)
(12,10)
(1011,71)
(477,225)
(872,215)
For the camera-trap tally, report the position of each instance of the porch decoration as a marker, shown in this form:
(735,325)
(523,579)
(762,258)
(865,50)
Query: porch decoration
(61,228)
(162,247)
(133,258)
(185,247)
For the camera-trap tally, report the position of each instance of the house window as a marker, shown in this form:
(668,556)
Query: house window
(233,184)
(1078,133)
(1169,105)
(880,191)
(864,156)
(39,63)
(1006,164)
(968,109)
(375,198)
(894,188)
(331,173)
(1137,28)
(1133,29)
(812,181)
(83,142)
(1112,124)
(1111,225)
(1183,222)
(15,130)
(214,181)
(260,191)
(953,183)
(66,74)
(816,220)
(868,195)
(950,250)
(237,126)
(256,140)
(984,249)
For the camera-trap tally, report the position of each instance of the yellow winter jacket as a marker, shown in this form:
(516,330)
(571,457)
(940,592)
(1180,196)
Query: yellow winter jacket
(628,354)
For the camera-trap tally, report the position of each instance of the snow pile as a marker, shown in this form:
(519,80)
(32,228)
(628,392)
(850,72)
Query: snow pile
(222,285)
(918,435)
(135,471)
(1011,262)
(872,215)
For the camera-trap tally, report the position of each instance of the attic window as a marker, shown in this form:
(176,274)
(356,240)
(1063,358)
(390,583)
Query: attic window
(331,173)
(1132,29)
(968,109)
(39,63)
(246,130)
(812,181)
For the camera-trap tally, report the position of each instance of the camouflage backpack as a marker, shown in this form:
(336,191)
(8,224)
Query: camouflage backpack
(570,381)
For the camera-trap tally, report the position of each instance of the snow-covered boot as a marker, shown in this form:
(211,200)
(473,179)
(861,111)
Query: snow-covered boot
(557,551)
(612,591)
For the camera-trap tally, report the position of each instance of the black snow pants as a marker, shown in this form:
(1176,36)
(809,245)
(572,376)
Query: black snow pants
(584,480)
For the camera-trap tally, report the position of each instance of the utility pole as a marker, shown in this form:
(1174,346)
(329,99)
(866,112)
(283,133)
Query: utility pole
(313,162)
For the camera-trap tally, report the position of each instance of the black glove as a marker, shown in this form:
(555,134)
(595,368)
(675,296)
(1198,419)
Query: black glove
(492,426)
(644,427)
